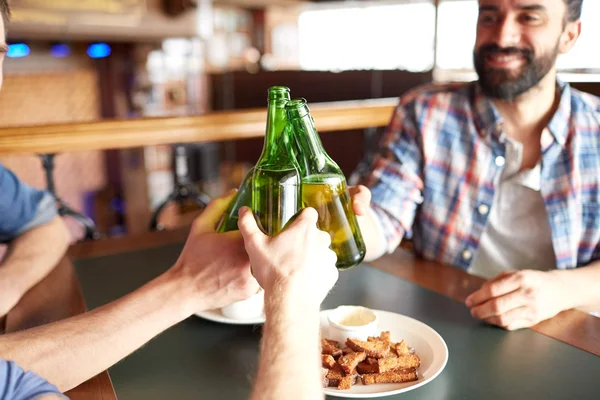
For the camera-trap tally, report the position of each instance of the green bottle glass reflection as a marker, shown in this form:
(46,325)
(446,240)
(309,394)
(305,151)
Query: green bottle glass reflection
(276,179)
(324,188)
(229,222)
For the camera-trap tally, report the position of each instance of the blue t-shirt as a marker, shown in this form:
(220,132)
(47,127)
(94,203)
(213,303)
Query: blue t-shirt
(16,384)
(22,207)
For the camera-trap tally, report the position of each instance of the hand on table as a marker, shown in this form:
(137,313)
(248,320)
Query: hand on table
(298,257)
(518,299)
(216,264)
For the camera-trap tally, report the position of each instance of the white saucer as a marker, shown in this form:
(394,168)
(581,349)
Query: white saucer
(216,316)
(428,344)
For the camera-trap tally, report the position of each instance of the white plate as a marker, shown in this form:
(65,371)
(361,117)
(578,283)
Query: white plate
(428,344)
(216,316)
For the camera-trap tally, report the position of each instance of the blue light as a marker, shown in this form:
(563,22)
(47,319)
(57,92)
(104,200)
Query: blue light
(99,50)
(60,50)
(18,50)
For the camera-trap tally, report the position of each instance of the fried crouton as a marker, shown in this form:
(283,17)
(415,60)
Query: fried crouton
(347,382)
(393,363)
(328,348)
(376,349)
(366,368)
(390,377)
(350,361)
(401,348)
(328,361)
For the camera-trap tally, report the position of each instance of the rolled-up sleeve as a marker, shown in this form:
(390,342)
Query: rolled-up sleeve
(22,207)
(17,384)
(395,176)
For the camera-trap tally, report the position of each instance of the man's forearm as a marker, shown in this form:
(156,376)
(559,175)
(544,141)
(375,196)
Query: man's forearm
(289,361)
(582,286)
(33,255)
(71,351)
(373,235)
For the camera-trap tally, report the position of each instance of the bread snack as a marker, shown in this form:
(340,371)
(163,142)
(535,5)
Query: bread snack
(377,360)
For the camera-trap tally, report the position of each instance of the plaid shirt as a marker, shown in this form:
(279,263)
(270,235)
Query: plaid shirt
(441,159)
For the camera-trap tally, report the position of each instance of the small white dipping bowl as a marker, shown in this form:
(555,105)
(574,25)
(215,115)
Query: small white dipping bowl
(246,309)
(354,322)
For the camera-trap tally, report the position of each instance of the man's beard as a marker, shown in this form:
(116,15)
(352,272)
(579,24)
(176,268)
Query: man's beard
(502,84)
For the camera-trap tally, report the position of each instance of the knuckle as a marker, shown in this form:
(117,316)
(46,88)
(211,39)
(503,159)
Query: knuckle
(495,307)
(503,320)
(521,277)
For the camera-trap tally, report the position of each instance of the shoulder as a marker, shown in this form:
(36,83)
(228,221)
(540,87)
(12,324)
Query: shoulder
(18,384)
(585,104)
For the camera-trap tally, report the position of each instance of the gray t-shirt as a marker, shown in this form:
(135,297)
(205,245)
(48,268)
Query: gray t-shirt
(16,384)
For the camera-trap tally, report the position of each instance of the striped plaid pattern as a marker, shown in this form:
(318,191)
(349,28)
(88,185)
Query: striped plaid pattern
(441,158)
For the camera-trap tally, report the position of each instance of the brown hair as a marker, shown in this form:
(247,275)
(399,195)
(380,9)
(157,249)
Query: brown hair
(573,10)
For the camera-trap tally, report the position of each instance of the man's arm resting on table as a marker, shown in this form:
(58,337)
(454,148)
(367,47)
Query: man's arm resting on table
(289,356)
(581,285)
(69,352)
(31,256)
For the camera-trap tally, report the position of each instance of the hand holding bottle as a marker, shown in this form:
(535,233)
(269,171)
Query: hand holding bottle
(297,260)
(361,199)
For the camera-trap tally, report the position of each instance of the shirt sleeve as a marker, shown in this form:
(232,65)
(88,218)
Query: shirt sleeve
(16,384)
(395,176)
(22,207)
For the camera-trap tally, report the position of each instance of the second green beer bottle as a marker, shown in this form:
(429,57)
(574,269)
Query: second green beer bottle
(324,188)
(276,180)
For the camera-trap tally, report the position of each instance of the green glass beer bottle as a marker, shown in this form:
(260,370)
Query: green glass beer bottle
(276,179)
(229,222)
(324,188)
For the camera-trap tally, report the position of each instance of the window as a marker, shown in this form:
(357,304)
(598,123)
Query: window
(396,36)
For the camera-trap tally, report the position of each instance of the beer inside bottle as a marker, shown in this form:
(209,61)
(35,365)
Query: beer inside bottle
(324,188)
(242,198)
(276,179)
(276,198)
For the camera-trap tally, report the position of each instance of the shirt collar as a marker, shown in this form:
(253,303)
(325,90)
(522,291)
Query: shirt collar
(488,120)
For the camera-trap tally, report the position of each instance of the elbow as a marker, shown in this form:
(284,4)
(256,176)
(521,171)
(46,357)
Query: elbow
(60,233)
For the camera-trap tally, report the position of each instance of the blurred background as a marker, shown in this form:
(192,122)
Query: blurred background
(91,60)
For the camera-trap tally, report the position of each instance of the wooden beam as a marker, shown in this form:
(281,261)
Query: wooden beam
(218,126)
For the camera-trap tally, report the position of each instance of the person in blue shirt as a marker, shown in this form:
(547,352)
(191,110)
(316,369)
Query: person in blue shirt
(29,223)
(37,238)
(212,271)
(16,384)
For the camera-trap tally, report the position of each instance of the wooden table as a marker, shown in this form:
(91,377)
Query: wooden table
(173,362)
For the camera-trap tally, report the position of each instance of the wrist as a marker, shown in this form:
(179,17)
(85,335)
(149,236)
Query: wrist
(575,289)
(290,296)
(180,292)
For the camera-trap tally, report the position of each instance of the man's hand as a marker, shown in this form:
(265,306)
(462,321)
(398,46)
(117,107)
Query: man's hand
(361,199)
(215,264)
(519,299)
(299,257)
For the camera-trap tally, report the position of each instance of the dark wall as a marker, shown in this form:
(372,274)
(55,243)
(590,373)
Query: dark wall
(589,87)
(235,90)
(238,90)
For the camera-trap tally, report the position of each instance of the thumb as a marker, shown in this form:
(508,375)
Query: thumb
(248,226)
(213,212)
(308,217)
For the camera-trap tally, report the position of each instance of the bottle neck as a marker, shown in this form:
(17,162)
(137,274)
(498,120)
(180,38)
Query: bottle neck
(276,124)
(312,156)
